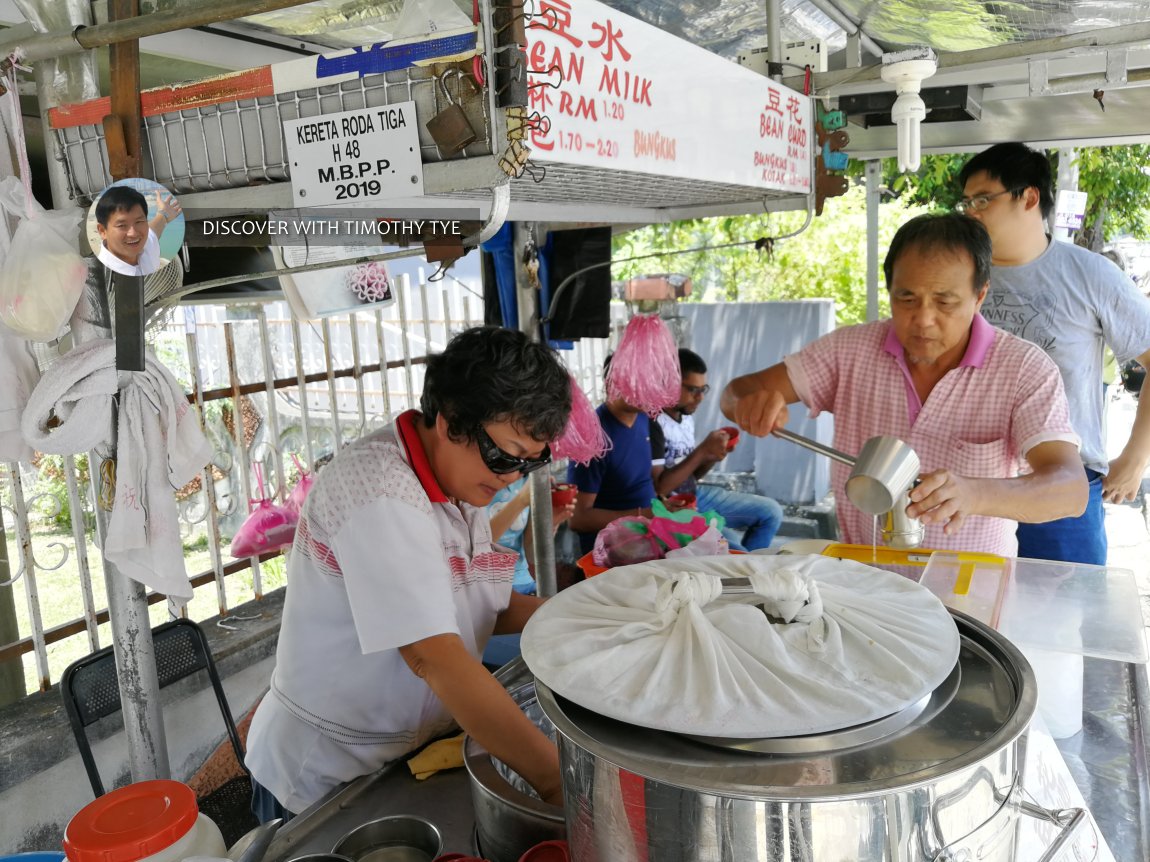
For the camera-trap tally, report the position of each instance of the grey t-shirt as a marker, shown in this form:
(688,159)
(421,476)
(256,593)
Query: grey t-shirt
(1070,302)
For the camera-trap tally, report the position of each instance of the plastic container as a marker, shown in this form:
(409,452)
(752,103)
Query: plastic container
(1069,608)
(732,436)
(35,856)
(548,851)
(563,494)
(149,821)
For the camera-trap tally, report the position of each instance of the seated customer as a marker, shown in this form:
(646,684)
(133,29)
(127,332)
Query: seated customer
(619,483)
(977,404)
(511,523)
(758,517)
(395,583)
(510,512)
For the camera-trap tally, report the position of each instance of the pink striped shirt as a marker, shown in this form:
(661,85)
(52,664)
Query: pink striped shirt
(980,420)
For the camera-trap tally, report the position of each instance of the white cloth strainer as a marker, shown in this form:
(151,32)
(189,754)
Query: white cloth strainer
(660,645)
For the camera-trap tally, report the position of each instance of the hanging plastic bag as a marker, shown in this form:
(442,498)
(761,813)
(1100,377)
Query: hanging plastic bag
(269,526)
(43,275)
(710,543)
(625,541)
(302,488)
(644,369)
(583,439)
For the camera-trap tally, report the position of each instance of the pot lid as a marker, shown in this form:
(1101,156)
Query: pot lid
(811,645)
(131,822)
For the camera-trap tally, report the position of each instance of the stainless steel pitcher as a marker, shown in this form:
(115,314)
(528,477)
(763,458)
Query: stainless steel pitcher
(879,483)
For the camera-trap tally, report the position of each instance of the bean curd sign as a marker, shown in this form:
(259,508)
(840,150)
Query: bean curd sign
(632,97)
(352,156)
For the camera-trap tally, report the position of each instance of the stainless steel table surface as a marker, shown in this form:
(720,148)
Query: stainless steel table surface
(1107,759)
(444,799)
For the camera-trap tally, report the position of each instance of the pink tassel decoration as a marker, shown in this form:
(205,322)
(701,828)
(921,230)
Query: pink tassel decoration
(644,371)
(583,440)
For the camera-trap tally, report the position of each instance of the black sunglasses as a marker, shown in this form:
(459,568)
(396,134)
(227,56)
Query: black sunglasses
(500,462)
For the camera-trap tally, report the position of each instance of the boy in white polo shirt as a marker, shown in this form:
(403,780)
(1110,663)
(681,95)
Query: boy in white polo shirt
(395,583)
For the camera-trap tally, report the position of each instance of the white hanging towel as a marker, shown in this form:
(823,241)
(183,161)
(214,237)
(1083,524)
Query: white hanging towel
(159,449)
(658,645)
(18,376)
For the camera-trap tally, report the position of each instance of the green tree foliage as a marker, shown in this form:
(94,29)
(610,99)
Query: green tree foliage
(827,260)
(1118,192)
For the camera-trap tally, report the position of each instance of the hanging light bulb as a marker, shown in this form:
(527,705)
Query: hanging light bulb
(907,70)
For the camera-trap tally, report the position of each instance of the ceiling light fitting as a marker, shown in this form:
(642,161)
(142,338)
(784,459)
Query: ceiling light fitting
(907,70)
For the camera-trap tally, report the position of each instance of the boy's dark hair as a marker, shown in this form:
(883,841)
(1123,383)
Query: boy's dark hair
(1018,168)
(119,199)
(690,362)
(942,232)
(491,374)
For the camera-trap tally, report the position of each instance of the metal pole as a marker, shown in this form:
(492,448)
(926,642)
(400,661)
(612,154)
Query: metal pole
(127,601)
(12,671)
(850,27)
(775,37)
(541,527)
(46,45)
(873,200)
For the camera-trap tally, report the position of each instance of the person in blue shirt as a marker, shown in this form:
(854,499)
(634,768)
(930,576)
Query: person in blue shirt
(509,511)
(621,482)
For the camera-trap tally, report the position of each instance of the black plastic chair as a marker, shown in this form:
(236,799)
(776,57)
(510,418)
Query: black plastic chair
(91,691)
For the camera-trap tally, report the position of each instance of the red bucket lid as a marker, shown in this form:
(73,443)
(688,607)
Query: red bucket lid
(131,823)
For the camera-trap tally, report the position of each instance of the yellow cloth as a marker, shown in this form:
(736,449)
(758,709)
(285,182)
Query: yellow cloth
(441,754)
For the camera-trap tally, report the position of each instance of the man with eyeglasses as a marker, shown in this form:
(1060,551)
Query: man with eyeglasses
(752,519)
(976,404)
(1072,303)
(620,482)
(395,583)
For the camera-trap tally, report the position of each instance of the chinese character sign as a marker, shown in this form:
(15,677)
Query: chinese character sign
(623,94)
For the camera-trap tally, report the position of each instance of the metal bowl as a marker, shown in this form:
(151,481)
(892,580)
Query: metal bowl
(400,838)
(510,817)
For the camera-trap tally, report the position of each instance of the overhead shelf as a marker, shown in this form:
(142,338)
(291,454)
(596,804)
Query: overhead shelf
(634,128)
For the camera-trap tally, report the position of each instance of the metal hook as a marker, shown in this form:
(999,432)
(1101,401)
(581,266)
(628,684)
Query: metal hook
(531,167)
(440,273)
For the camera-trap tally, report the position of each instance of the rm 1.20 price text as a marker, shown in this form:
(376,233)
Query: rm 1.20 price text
(576,143)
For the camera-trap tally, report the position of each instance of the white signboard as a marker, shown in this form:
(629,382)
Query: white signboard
(353,156)
(632,97)
(1069,208)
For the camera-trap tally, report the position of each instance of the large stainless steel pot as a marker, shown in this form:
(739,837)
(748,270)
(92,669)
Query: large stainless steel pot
(945,787)
(510,817)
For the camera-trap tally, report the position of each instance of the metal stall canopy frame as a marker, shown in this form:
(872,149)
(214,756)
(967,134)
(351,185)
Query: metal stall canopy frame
(226,132)
(618,130)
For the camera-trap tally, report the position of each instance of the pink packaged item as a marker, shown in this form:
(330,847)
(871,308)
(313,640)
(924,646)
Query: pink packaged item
(302,487)
(269,526)
(644,369)
(625,541)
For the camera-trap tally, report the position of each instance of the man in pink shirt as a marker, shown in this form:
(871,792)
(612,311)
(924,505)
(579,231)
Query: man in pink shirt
(984,410)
